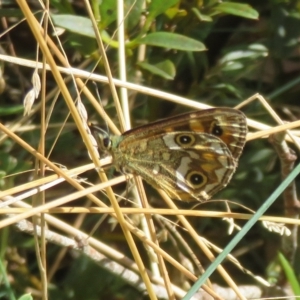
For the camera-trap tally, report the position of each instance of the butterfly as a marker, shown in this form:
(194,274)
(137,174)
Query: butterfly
(190,156)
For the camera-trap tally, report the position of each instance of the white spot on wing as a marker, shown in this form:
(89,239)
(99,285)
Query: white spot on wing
(204,195)
(169,141)
(181,172)
(218,147)
(183,187)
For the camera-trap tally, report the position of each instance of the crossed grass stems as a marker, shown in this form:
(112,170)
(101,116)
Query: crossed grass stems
(95,249)
(82,237)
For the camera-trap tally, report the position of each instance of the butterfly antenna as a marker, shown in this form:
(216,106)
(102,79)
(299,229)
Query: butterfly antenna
(101,104)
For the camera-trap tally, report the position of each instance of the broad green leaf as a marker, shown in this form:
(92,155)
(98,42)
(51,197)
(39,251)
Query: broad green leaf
(250,52)
(237,9)
(26,297)
(239,54)
(164,69)
(171,41)
(290,274)
(158,7)
(79,25)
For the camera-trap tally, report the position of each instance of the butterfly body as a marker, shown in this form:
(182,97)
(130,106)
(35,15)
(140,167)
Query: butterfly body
(190,156)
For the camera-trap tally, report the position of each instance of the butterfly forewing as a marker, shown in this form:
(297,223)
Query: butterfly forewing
(228,124)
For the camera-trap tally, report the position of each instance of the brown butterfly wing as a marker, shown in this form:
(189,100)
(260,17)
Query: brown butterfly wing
(228,124)
(159,153)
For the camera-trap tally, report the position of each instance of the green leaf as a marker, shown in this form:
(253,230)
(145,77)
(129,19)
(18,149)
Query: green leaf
(252,51)
(171,41)
(164,69)
(158,7)
(237,9)
(79,25)
(26,297)
(290,274)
